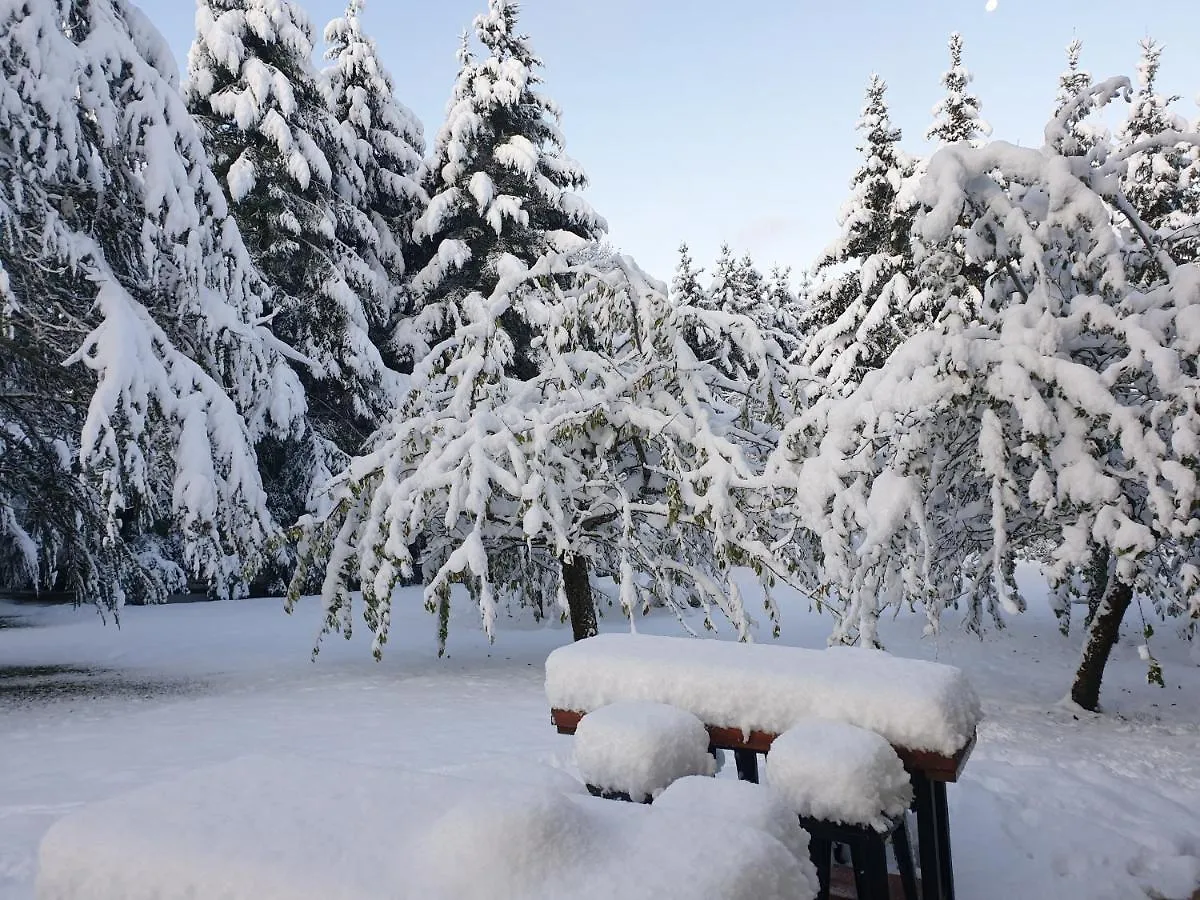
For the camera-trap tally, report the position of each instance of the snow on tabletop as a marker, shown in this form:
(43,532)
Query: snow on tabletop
(838,773)
(745,802)
(640,748)
(915,704)
(269,829)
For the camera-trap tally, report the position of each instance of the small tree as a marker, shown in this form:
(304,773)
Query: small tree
(620,457)
(956,116)
(685,286)
(1157,178)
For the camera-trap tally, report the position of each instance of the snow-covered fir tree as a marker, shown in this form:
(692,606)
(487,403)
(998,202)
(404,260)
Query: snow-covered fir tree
(1058,422)
(1071,83)
(956,116)
(722,291)
(1157,181)
(381,189)
(274,144)
(685,285)
(1073,79)
(783,307)
(500,183)
(135,374)
(858,309)
(620,457)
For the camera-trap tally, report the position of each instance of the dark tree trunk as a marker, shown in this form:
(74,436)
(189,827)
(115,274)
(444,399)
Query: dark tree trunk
(1097,578)
(1101,637)
(579,597)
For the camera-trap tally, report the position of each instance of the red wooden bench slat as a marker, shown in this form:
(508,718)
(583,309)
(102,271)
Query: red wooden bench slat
(934,766)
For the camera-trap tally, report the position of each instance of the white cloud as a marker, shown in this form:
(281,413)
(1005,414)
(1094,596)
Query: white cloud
(991,5)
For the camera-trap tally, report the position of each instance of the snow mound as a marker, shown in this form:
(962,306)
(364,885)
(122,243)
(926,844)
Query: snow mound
(270,829)
(915,704)
(743,802)
(839,773)
(640,748)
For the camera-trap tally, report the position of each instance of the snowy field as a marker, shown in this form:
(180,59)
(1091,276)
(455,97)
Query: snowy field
(1051,806)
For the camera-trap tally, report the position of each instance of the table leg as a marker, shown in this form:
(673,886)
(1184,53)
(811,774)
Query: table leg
(747,765)
(943,835)
(928,835)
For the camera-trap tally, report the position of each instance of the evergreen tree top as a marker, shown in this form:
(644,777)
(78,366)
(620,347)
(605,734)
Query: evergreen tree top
(956,116)
(499,181)
(1073,79)
(685,286)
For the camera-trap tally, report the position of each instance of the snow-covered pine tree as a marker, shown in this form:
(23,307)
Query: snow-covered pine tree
(783,308)
(1157,180)
(722,292)
(136,376)
(956,116)
(254,90)
(858,312)
(499,183)
(1073,81)
(386,143)
(1062,427)
(685,285)
(620,457)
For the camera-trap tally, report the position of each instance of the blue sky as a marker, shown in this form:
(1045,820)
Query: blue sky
(711,121)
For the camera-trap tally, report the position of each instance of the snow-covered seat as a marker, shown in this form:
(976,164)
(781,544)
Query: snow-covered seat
(848,786)
(633,751)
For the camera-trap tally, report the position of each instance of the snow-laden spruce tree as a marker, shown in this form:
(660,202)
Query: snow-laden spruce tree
(1071,82)
(381,190)
(274,144)
(956,116)
(858,310)
(784,312)
(1158,179)
(499,182)
(1059,422)
(136,375)
(620,457)
(1073,79)
(685,284)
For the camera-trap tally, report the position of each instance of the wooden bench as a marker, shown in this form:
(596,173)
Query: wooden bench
(612,656)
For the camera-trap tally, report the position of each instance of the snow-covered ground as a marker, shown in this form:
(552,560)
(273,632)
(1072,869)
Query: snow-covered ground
(1051,806)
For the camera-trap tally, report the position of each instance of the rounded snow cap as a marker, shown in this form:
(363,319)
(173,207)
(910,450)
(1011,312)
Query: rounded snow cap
(639,748)
(837,772)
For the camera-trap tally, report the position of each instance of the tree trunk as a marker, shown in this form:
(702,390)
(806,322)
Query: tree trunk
(579,597)
(1101,637)
(1097,578)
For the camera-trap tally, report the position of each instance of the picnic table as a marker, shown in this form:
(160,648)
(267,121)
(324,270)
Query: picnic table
(748,694)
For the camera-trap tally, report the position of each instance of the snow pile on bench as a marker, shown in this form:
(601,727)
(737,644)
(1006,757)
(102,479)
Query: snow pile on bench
(915,704)
(750,804)
(836,772)
(266,829)
(640,748)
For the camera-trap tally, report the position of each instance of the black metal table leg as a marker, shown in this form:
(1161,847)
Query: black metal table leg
(945,860)
(902,847)
(747,765)
(928,834)
(820,851)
